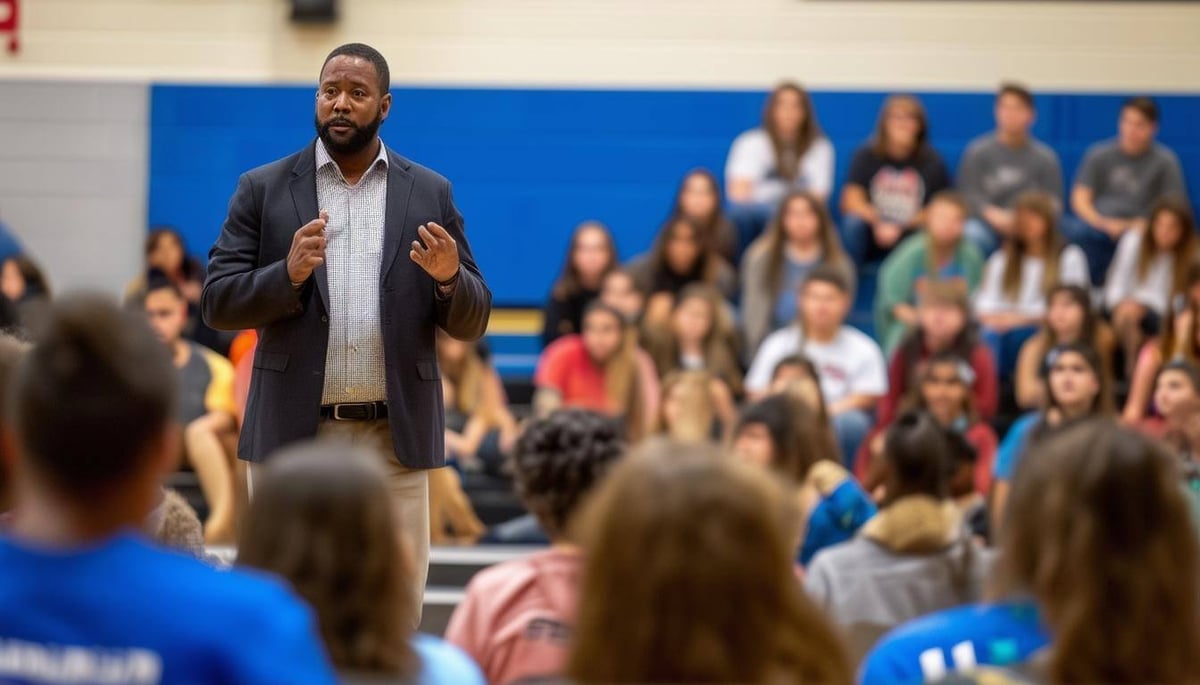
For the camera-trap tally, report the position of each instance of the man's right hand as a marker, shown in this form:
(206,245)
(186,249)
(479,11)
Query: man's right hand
(308,249)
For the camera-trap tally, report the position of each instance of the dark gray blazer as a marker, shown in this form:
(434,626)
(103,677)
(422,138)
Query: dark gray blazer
(248,287)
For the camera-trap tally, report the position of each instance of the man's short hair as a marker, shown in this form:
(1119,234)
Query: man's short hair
(1018,91)
(952,197)
(156,280)
(94,393)
(1144,105)
(560,458)
(826,273)
(368,53)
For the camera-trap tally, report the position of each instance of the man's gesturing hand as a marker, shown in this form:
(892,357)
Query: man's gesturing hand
(308,249)
(439,254)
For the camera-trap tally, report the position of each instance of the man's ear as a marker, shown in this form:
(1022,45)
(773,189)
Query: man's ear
(385,105)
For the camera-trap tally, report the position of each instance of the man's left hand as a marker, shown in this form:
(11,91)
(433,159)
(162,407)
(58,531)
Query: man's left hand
(438,256)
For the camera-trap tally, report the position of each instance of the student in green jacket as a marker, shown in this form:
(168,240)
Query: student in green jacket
(937,252)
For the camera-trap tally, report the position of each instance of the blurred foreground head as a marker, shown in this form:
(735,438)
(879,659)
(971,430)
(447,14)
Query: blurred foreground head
(690,577)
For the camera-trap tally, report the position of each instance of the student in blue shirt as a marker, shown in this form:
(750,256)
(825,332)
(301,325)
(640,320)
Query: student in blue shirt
(322,518)
(1100,539)
(1077,388)
(84,598)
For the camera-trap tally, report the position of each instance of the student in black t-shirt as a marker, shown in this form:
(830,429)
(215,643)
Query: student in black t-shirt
(890,180)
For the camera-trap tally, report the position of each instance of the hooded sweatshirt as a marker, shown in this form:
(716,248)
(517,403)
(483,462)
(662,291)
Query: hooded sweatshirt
(517,618)
(911,559)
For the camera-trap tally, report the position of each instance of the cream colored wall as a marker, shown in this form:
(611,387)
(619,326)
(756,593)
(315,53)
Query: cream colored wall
(690,43)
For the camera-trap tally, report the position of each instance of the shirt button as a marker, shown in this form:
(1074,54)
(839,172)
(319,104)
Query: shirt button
(349,390)
(324,319)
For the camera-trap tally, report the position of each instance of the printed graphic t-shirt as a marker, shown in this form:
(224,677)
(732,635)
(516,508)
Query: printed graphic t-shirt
(898,189)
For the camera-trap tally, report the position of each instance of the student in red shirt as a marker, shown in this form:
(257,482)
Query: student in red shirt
(601,369)
(517,617)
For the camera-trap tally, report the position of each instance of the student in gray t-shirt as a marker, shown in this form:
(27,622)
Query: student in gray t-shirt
(1117,183)
(999,166)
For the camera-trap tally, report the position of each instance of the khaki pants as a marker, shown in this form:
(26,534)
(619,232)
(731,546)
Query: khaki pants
(409,488)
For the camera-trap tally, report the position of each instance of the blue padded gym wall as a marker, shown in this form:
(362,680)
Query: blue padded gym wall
(528,165)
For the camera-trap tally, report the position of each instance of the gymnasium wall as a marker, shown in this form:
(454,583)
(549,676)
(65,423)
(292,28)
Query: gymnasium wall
(543,112)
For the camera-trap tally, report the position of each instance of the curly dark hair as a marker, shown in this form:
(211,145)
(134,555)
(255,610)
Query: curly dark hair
(559,459)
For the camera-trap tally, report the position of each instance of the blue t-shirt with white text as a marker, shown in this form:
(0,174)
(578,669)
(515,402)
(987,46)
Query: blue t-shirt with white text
(123,611)
(928,648)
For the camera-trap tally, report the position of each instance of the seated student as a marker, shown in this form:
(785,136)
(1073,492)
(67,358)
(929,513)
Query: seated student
(12,349)
(680,257)
(1149,271)
(92,417)
(1118,181)
(322,519)
(915,556)
(999,167)
(1177,398)
(1082,583)
(799,238)
(891,179)
(601,369)
(695,407)
(1069,319)
(699,336)
(167,258)
(517,617)
(689,578)
(784,433)
(937,254)
(590,257)
(1077,388)
(26,289)
(942,390)
(1011,301)
(787,152)
(943,325)
(852,370)
(619,291)
(205,408)
(480,429)
(1180,339)
(699,200)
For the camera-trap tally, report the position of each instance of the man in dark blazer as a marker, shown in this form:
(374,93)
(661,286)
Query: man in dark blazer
(312,254)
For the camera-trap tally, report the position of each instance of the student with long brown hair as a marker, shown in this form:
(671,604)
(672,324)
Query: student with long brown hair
(1011,299)
(1098,578)
(680,256)
(699,335)
(601,369)
(1077,388)
(786,152)
(689,578)
(699,200)
(479,426)
(695,407)
(1180,339)
(800,236)
(1069,319)
(891,178)
(591,255)
(322,519)
(1150,270)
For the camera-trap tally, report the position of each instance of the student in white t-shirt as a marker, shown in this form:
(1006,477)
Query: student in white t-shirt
(852,371)
(787,152)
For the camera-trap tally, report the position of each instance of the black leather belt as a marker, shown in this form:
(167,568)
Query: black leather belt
(355,411)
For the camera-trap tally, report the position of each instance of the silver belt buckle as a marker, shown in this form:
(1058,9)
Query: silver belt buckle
(368,407)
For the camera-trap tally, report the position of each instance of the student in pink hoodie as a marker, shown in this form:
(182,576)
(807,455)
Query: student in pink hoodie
(517,618)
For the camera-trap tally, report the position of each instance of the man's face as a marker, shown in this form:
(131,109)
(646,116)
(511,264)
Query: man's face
(1134,131)
(167,313)
(350,105)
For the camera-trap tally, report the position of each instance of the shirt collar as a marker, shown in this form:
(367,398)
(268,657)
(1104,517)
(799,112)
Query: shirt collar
(323,158)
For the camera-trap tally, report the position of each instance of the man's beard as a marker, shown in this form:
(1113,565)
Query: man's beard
(358,141)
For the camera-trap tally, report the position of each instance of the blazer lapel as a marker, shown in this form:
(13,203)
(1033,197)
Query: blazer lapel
(304,196)
(399,188)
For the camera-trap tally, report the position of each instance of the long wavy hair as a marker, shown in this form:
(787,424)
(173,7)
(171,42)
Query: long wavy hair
(879,142)
(622,375)
(790,147)
(1099,533)
(690,578)
(695,422)
(720,351)
(774,240)
(322,518)
(569,283)
(1184,252)
(1041,206)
